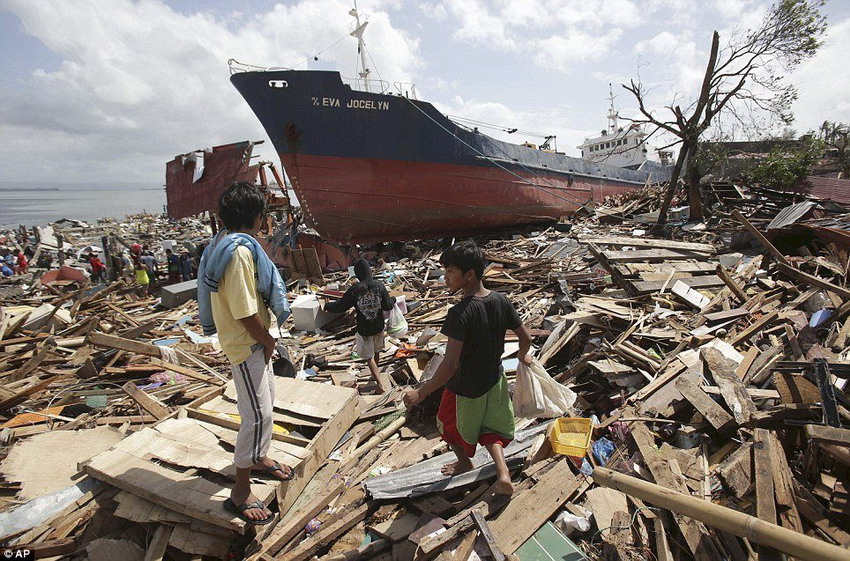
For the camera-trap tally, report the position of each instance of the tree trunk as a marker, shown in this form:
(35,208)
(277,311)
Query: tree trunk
(692,178)
(658,229)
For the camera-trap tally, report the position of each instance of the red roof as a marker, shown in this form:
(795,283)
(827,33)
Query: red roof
(826,188)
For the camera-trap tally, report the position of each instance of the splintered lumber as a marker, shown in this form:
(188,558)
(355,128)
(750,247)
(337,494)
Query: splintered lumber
(529,510)
(765,501)
(731,388)
(122,344)
(736,214)
(754,328)
(295,522)
(671,478)
(649,242)
(148,403)
(159,542)
(829,435)
(713,413)
(726,519)
(813,280)
(325,534)
(733,286)
(783,485)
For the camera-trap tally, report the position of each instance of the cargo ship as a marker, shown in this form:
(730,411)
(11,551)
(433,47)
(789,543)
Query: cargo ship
(370,165)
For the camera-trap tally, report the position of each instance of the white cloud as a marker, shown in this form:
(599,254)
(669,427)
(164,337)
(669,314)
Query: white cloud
(561,52)
(140,83)
(823,82)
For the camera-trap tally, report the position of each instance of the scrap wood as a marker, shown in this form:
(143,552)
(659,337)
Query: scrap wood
(726,519)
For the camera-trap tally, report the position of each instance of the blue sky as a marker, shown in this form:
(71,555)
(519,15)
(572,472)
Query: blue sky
(109,90)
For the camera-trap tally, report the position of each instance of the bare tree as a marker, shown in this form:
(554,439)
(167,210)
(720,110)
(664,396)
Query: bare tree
(744,80)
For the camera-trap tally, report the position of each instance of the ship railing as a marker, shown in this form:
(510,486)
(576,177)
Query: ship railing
(371,85)
(237,67)
(406,89)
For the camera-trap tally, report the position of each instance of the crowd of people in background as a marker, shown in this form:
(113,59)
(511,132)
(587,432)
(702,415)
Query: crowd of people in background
(15,261)
(179,264)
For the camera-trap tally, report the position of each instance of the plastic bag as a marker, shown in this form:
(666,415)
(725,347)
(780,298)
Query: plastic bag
(538,395)
(397,325)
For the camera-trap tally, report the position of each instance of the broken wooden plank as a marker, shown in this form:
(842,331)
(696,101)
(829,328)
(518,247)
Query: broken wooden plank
(736,214)
(726,519)
(529,510)
(325,534)
(120,343)
(713,413)
(765,500)
(649,242)
(733,391)
(813,280)
(148,403)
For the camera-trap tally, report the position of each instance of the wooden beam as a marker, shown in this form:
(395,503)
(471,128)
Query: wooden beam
(295,522)
(733,286)
(736,214)
(765,501)
(148,403)
(829,435)
(156,549)
(695,533)
(754,328)
(529,510)
(719,418)
(649,242)
(726,519)
(114,342)
(325,535)
(813,280)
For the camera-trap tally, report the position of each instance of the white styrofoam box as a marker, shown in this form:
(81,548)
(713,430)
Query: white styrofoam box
(308,315)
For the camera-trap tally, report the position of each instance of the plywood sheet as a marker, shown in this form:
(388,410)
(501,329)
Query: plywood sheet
(320,401)
(128,466)
(47,462)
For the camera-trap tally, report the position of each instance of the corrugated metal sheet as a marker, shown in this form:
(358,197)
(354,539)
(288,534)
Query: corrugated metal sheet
(791,214)
(826,188)
(189,195)
(425,477)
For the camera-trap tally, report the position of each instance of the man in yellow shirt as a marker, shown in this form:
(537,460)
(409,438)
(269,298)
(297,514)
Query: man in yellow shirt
(241,284)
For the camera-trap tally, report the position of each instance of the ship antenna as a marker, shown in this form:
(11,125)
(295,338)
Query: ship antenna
(361,46)
(612,113)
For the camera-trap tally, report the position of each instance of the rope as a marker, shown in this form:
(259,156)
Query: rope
(497,164)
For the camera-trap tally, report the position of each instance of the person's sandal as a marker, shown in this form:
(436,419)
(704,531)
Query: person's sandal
(239,511)
(278,467)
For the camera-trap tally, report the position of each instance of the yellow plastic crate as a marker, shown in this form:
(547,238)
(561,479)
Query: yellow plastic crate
(570,436)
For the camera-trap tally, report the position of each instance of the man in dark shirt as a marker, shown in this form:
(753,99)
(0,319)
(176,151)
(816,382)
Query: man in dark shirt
(173,263)
(476,406)
(370,299)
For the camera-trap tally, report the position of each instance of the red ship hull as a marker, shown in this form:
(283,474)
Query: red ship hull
(402,200)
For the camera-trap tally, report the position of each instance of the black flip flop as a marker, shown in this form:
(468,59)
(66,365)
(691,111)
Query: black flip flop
(239,511)
(278,467)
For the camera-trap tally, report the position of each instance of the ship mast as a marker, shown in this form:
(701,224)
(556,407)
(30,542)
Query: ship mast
(612,113)
(361,46)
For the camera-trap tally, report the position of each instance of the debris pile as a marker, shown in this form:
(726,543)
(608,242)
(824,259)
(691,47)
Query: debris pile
(709,421)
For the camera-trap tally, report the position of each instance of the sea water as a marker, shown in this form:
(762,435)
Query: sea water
(38,207)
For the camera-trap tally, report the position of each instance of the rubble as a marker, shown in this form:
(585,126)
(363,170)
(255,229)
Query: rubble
(713,365)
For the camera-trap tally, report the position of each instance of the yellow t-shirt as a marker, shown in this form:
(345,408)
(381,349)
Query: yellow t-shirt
(238,298)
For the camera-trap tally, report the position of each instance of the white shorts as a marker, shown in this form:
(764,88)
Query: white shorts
(369,346)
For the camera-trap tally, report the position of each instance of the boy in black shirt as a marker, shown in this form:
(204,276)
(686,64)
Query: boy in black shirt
(370,299)
(476,405)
